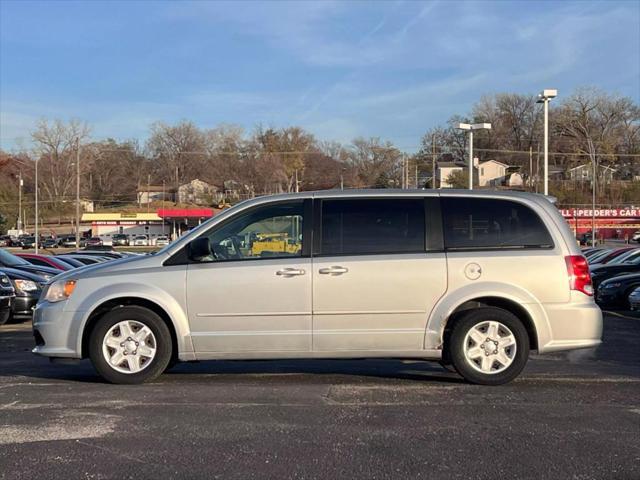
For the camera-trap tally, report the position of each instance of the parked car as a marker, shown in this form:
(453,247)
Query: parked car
(100,248)
(7,297)
(28,242)
(585,238)
(72,262)
(471,279)
(28,288)
(84,259)
(120,239)
(614,292)
(610,255)
(9,260)
(5,241)
(600,273)
(594,251)
(70,241)
(634,299)
(44,261)
(49,243)
(636,236)
(94,242)
(626,257)
(162,240)
(597,256)
(141,241)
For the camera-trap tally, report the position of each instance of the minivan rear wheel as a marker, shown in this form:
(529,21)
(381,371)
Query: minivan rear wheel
(130,345)
(489,346)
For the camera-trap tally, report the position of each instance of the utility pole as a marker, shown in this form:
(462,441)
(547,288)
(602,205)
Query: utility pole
(594,165)
(471,159)
(163,207)
(19,201)
(342,179)
(537,167)
(530,166)
(77,193)
(416,174)
(36,225)
(433,161)
(297,184)
(148,192)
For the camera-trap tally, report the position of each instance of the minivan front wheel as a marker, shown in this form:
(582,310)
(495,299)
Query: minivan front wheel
(489,346)
(130,345)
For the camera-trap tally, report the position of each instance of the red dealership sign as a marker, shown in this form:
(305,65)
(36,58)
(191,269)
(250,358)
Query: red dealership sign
(600,212)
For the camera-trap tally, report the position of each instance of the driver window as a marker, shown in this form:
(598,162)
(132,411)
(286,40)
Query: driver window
(273,231)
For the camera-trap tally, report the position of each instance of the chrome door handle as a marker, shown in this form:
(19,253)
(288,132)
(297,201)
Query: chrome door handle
(336,270)
(290,272)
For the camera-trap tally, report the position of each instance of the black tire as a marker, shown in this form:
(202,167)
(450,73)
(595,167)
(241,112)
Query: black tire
(163,345)
(457,345)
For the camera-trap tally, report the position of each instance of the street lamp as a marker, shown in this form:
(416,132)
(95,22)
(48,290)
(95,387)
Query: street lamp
(544,98)
(471,127)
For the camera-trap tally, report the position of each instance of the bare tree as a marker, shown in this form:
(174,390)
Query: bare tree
(55,147)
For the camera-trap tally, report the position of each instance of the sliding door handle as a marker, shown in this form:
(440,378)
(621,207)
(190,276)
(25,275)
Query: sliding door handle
(290,272)
(335,270)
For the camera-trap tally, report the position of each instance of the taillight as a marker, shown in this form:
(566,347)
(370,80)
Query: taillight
(579,275)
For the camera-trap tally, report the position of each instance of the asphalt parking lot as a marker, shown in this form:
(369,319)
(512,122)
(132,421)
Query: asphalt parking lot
(569,416)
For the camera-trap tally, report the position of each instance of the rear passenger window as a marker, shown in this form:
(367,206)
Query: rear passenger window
(372,226)
(491,223)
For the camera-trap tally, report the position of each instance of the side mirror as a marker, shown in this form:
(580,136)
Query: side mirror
(199,249)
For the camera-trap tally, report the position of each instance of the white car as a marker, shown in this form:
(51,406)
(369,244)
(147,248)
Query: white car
(141,241)
(162,241)
(636,237)
(471,279)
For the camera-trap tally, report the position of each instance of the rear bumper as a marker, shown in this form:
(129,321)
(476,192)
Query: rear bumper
(572,326)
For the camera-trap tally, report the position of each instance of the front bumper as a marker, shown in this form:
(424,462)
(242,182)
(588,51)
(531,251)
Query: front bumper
(5,308)
(54,331)
(607,298)
(23,306)
(572,326)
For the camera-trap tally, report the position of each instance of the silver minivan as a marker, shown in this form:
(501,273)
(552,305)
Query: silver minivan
(474,280)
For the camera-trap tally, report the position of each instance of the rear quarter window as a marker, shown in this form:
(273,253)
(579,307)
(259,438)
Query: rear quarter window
(487,223)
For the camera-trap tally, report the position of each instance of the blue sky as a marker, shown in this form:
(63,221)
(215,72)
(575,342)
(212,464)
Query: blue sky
(341,70)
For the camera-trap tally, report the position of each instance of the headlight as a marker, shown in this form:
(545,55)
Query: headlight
(612,285)
(26,286)
(60,290)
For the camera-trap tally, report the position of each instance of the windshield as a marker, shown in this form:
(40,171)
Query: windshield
(625,257)
(10,260)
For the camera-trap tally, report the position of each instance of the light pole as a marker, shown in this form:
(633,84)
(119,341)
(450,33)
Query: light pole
(544,98)
(78,194)
(36,226)
(20,183)
(471,127)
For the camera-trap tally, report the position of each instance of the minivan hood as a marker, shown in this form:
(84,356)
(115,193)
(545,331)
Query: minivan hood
(113,266)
